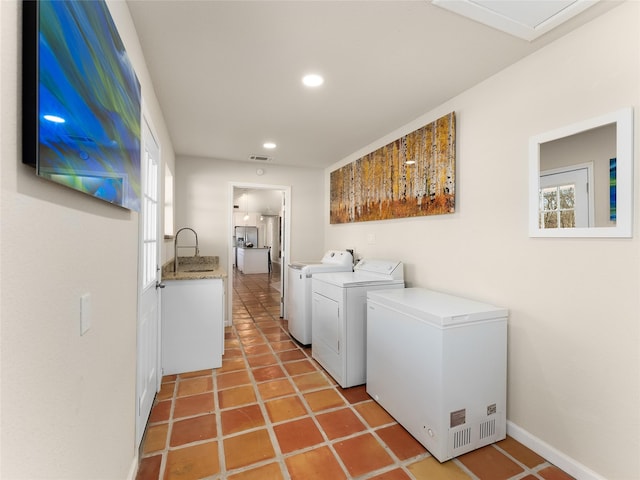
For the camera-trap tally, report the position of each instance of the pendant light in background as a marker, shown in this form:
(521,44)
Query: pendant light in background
(246,204)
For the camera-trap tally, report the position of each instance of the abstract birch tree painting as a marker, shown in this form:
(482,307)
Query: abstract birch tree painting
(411,176)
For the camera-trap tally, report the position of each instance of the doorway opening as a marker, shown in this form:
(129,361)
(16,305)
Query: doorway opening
(259,226)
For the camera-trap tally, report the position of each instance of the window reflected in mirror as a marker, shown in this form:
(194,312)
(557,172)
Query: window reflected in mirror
(557,207)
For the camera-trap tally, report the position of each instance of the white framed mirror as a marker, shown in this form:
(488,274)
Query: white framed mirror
(581,178)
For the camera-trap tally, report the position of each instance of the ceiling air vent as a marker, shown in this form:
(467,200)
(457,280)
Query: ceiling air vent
(260,158)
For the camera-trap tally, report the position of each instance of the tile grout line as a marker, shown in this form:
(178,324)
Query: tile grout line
(165,451)
(275,445)
(173,419)
(218,412)
(263,409)
(518,462)
(465,469)
(279,455)
(397,462)
(347,404)
(310,413)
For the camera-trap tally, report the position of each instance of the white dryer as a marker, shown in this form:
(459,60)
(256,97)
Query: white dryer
(299,296)
(339,316)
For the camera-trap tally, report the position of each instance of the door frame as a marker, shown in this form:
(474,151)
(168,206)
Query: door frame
(286,235)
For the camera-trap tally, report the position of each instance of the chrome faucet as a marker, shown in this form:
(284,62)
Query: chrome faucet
(175,247)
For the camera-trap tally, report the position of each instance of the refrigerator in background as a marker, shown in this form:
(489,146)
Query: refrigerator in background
(246,236)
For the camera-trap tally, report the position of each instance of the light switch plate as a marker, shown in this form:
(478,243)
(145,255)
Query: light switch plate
(85,313)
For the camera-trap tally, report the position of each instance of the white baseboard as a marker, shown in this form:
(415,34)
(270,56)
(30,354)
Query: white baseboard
(553,455)
(133,469)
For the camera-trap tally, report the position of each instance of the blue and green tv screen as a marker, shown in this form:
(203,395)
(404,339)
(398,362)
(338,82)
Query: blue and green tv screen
(81,100)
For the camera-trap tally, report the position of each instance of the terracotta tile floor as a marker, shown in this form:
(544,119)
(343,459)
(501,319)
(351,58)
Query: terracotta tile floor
(271,413)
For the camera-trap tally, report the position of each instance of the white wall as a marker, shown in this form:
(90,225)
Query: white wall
(68,401)
(574,328)
(202,193)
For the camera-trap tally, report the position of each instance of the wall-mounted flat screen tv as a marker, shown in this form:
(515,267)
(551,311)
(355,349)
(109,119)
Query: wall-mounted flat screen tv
(81,100)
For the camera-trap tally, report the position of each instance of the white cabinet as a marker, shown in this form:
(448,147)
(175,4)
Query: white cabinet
(239,220)
(192,325)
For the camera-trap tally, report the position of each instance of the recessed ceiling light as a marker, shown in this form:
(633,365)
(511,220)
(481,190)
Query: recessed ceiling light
(269,145)
(312,80)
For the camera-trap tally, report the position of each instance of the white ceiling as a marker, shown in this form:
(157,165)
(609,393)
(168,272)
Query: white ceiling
(228,74)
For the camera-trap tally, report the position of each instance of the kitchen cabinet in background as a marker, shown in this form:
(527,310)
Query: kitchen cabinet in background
(253,260)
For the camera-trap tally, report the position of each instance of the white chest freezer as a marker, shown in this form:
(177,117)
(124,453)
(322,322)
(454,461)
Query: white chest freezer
(438,364)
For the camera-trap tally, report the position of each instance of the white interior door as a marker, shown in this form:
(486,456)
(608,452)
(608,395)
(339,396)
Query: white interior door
(148,375)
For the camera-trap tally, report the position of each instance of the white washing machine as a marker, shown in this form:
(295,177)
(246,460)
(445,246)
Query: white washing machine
(299,296)
(339,316)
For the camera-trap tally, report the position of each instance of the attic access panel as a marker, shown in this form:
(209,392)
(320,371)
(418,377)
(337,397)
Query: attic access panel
(526,19)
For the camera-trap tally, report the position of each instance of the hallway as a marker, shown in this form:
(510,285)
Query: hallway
(271,413)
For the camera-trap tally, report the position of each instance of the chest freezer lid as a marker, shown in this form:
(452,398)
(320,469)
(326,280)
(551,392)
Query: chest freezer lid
(435,307)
